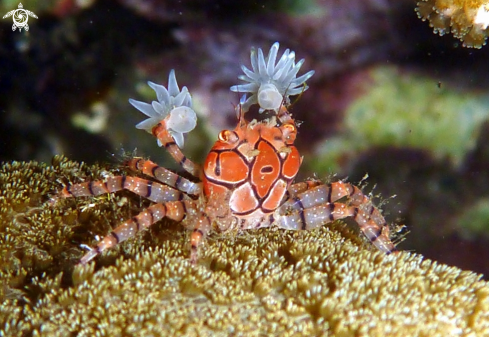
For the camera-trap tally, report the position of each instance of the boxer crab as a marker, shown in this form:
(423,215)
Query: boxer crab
(247,178)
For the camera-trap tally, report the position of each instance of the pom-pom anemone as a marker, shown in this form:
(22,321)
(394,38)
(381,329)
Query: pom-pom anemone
(269,83)
(173,106)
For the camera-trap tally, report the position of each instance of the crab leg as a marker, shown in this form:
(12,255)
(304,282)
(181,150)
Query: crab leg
(161,133)
(175,210)
(146,188)
(313,195)
(202,227)
(164,175)
(319,215)
(303,186)
(317,206)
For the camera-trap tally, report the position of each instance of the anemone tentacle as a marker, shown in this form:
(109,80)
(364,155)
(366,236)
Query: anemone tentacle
(174,106)
(270,84)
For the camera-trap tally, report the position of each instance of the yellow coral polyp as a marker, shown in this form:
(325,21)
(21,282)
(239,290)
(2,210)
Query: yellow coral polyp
(468,20)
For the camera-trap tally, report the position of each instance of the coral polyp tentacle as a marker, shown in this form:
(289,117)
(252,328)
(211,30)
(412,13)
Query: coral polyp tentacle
(466,20)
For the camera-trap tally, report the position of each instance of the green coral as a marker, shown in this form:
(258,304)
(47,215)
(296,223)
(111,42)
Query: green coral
(325,282)
(405,110)
(474,222)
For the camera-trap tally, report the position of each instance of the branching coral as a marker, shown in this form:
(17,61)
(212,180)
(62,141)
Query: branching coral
(466,19)
(265,282)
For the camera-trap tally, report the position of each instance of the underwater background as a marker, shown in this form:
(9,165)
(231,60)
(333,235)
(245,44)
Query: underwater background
(389,98)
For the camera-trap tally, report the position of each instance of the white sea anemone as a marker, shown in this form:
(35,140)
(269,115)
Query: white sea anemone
(173,106)
(271,84)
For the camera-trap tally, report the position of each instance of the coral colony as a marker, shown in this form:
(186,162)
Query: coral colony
(271,283)
(466,19)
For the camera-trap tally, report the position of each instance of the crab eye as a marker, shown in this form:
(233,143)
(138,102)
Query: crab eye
(228,136)
(289,131)
(290,128)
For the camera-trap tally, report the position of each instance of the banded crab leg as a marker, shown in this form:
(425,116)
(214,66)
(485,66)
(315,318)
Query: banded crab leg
(164,175)
(203,223)
(318,205)
(303,186)
(201,229)
(146,188)
(168,200)
(161,132)
(169,204)
(175,210)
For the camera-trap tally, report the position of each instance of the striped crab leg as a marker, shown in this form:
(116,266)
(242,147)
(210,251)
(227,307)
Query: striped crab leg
(213,210)
(318,205)
(164,175)
(146,188)
(175,210)
(303,186)
(160,131)
(201,229)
